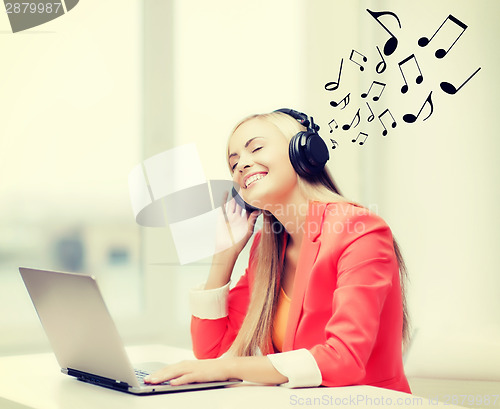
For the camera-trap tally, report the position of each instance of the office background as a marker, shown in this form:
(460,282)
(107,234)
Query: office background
(89,95)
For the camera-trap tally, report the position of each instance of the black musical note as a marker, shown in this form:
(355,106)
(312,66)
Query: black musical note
(334,143)
(363,141)
(329,124)
(332,86)
(376,97)
(384,132)
(361,68)
(371,117)
(440,53)
(381,66)
(410,118)
(346,127)
(392,43)
(345,100)
(419,79)
(450,88)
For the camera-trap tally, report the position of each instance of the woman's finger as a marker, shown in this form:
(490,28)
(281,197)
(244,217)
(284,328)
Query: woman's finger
(184,379)
(234,204)
(225,204)
(167,373)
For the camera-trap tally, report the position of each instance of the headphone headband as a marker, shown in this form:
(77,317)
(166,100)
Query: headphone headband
(302,118)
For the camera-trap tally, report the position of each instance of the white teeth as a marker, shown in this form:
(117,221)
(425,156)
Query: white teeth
(253,178)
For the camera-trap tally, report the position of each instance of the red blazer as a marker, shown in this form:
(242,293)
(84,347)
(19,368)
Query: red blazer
(346,306)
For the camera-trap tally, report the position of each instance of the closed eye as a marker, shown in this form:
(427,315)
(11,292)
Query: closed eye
(253,151)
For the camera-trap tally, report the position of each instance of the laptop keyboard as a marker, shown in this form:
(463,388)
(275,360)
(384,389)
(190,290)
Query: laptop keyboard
(140,374)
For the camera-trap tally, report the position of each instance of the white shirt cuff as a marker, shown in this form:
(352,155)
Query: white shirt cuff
(298,366)
(209,304)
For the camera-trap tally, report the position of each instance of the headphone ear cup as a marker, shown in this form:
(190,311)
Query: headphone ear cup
(308,153)
(296,156)
(316,152)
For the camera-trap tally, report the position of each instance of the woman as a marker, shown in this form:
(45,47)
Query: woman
(321,302)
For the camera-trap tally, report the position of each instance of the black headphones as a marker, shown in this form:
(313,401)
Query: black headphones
(307,150)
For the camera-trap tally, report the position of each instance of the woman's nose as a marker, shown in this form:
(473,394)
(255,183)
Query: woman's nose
(244,162)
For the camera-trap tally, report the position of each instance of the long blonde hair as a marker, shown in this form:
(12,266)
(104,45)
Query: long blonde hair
(255,332)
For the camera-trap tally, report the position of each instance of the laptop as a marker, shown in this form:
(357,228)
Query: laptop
(84,337)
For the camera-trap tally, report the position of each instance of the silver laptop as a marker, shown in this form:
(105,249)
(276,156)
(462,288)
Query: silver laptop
(84,337)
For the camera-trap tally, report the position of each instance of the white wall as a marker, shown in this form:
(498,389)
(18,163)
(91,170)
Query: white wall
(435,182)
(446,199)
(233,59)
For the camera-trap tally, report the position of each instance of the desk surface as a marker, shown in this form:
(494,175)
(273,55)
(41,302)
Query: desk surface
(35,381)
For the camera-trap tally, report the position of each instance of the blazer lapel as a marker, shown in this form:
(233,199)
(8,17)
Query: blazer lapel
(307,256)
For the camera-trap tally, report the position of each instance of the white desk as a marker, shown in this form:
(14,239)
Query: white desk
(35,381)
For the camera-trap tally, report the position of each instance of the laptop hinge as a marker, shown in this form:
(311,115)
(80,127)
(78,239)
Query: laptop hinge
(97,380)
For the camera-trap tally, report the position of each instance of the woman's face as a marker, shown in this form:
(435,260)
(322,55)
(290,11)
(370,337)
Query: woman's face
(258,158)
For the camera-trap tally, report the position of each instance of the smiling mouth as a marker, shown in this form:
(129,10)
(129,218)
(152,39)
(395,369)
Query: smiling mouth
(253,179)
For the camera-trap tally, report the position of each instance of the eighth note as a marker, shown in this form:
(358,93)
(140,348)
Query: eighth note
(410,118)
(441,53)
(450,88)
(392,43)
(346,100)
(346,127)
(361,68)
(363,141)
(334,143)
(330,125)
(419,79)
(332,86)
(384,132)
(376,97)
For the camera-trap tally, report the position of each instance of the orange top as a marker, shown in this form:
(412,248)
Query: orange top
(280,320)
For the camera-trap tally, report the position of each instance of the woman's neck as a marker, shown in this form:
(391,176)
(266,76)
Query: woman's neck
(292,215)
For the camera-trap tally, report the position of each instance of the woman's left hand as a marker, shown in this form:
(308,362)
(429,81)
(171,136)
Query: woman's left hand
(205,370)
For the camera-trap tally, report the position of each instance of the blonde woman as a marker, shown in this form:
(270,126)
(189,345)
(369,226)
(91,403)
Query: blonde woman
(322,299)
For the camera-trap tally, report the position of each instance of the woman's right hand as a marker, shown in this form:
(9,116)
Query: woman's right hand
(234,228)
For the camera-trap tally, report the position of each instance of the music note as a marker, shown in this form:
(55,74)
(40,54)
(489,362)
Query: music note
(345,100)
(419,79)
(371,117)
(440,53)
(346,127)
(329,124)
(361,68)
(450,88)
(363,141)
(392,43)
(332,86)
(384,132)
(334,143)
(410,118)
(376,97)
(381,66)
